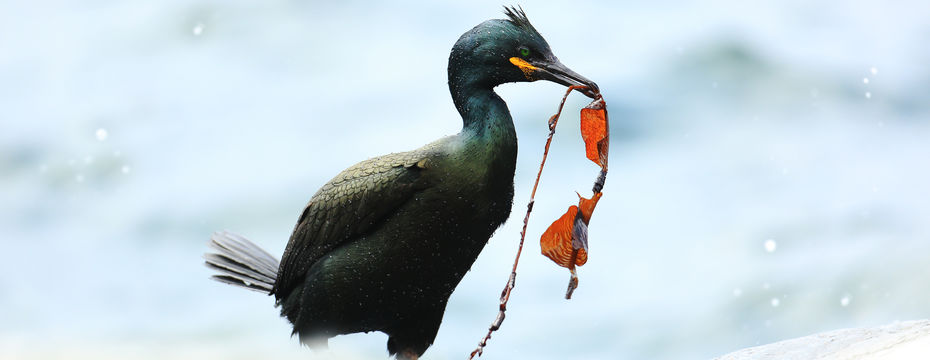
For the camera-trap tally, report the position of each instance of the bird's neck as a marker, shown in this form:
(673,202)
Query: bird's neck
(486,125)
(483,112)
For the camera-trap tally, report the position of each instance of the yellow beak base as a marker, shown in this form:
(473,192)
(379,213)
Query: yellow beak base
(525,67)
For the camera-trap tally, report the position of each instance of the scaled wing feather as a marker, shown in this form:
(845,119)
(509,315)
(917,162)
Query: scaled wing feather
(348,206)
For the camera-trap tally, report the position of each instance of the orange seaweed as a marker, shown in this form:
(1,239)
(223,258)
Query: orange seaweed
(556,242)
(595,132)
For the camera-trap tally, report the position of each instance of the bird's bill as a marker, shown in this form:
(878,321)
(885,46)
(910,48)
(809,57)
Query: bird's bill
(556,72)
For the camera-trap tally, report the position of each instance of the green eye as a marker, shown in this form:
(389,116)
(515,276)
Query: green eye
(524,52)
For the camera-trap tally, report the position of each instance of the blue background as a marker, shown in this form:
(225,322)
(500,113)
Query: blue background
(733,123)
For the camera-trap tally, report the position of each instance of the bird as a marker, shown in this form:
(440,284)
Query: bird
(383,245)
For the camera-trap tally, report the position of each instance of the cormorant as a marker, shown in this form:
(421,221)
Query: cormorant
(381,246)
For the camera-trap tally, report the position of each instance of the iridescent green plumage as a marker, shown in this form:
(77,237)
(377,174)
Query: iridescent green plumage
(381,246)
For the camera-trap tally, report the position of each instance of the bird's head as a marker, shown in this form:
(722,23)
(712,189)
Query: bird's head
(502,51)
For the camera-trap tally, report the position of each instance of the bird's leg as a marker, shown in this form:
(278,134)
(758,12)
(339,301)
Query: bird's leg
(407,354)
(317,342)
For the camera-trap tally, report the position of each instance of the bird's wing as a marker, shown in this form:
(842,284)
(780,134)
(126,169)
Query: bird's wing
(348,206)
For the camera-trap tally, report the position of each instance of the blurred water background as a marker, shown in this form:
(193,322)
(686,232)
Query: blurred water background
(770,169)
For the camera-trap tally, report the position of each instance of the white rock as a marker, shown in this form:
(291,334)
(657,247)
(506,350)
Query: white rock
(897,341)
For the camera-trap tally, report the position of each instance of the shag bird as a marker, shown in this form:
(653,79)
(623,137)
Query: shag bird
(381,246)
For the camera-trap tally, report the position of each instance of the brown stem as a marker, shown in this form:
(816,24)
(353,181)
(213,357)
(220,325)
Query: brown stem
(511,281)
(573,281)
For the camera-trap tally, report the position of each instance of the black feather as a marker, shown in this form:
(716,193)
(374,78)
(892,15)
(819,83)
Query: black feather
(518,17)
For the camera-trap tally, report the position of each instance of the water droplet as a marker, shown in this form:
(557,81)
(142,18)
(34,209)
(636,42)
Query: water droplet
(198,29)
(101,134)
(775,302)
(873,70)
(868,95)
(844,302)
(865,80)
(125,169)
(737,292)
(770,245)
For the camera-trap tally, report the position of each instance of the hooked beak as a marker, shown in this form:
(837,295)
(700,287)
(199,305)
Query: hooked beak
(554,71)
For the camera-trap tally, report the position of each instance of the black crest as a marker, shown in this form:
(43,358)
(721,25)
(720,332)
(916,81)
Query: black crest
(518,17)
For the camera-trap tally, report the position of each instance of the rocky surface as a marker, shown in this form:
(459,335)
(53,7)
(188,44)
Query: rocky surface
(900,340)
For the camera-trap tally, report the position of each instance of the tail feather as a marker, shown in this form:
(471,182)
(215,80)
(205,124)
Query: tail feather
(242,248)
(240,262)
(229,266)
